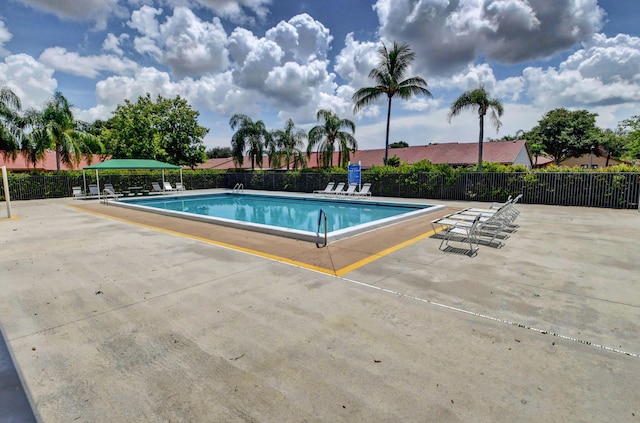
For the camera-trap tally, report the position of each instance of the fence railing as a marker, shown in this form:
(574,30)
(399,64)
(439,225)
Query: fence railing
(587,189)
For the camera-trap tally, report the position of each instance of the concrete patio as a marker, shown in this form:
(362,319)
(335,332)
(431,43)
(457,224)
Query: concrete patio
(109,318)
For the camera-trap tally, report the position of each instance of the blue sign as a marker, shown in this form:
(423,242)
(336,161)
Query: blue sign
(354,173)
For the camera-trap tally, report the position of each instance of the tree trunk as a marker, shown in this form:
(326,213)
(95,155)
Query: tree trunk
(480,141)
(57,156)
(386,144)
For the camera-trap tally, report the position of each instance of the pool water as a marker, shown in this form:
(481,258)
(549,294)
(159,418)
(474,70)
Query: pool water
(291,216)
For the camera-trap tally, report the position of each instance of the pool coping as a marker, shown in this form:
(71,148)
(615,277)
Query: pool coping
(315,237)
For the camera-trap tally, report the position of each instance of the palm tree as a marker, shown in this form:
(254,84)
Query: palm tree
(289,143)
(478,98)
(389,76)
(251,135)
(326,135)
(9,122)
(54,128)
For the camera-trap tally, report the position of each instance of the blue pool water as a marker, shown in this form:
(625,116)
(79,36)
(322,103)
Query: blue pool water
(291,216)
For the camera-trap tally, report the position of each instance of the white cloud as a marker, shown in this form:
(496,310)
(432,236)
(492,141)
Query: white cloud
(448,36)
(605,71)
(5,36)
(60,59)
(86,10)
(302,38)
(355,61)
(234,9)
(30,80)
(185,43)
(288,66)
(113,43)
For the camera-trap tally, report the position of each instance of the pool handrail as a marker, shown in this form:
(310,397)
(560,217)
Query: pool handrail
(320,214)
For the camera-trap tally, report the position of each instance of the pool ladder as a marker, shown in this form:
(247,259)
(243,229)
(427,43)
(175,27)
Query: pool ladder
(108,194)
(239,187)
(322,214)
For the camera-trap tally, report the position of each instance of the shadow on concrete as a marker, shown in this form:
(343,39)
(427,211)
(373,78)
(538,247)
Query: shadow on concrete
(14,405)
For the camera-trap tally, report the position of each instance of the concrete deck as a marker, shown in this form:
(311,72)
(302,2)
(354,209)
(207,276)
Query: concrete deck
(111,318)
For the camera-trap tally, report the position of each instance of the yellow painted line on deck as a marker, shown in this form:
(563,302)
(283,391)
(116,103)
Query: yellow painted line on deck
(385,252)
(210,241)
(339,272)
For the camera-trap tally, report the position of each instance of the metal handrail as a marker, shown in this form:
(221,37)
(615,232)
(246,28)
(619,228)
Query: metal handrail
(106,194)
(320,214)
(238,187)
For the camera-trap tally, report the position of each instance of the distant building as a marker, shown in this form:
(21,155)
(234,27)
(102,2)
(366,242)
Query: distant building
(454,154)
(48,164)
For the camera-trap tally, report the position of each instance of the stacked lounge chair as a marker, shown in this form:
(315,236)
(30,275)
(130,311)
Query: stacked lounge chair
(476,225)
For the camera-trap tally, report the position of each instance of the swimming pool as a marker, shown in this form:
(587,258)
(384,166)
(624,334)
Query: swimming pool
(296,217)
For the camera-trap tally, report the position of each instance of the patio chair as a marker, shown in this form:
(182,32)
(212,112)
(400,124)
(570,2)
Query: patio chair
(77,192)
(111,189)
(364,191)
(338,189)
(156,188)
(351,190)
(462,232)
(94,191)
(326,190)
(180,187)
(168,187)
(489,229)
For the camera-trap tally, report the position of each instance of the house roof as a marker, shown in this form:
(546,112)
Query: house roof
(46,164)
(457,154)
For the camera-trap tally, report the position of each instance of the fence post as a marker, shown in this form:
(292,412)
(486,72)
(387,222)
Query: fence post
(7,196)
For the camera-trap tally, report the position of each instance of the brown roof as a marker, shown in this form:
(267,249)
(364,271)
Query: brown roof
(456,154)
(47,164)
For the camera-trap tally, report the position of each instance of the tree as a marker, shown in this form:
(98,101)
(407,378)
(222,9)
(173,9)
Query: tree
(218,152)
(54,128)
(166,130)
(10,131)
(392,67)
(399,144)
(326,135)
(630,130)
(565,134)
(480,99)
(290,144)
(251,136)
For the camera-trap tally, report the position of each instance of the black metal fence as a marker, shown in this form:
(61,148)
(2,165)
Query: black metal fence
(587,189)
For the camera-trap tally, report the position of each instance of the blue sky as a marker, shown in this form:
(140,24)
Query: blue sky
(275,60)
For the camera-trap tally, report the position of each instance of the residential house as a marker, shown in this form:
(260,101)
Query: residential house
(47,164)
(454,154)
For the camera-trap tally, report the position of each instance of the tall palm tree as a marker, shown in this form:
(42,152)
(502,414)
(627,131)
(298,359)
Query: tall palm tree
(392,67)
(54,128)
(480,99)
(250,135)
(290,143)
(326,135)
(9,122)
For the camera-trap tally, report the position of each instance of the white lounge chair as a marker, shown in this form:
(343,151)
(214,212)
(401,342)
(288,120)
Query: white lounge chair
(351,190)
(156,188)
(338,189)
(111,189)
(168,187)
(365,191)
(327,189)
(94,191)
(489,227)
(78,193)
(180,187)
(462,232)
